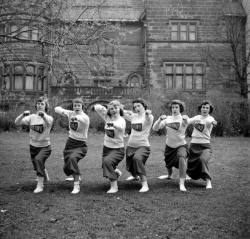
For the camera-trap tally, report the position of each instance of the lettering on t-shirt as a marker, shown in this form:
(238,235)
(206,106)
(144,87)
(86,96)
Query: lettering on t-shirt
(37,128)
(199,127)
(137,127)
(174,125)
(110,133)
(73,125)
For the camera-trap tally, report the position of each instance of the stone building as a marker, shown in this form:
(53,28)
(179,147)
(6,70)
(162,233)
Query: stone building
(168,47)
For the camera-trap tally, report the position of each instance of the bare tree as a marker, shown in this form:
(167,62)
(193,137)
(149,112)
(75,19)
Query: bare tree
(232,33)
(44,24)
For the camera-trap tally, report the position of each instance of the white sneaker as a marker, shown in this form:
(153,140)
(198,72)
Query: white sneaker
(209,184)
(188,178)
(113,187)
(165,177)
(144,188)
(71,178)
(130,178)
(119,173)
(39,186)
(182,185)
(46,175)
(183,188)
(76,188)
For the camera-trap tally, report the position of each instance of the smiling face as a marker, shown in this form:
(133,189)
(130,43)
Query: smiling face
(40,106)
(205,109)
(138,107)
(77,107)
(175,109)
(113,109)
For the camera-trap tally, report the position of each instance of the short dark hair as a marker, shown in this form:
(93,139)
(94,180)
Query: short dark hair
(77,100)
(206,102)
(141,101)
(43,99)
(177,102)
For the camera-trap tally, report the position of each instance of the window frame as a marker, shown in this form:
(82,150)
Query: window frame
(188,31)
(172,75)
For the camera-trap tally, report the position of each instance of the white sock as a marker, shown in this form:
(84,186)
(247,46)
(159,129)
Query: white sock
(209,184)
(113,187)
(40,185)
(182,185)
(144,187)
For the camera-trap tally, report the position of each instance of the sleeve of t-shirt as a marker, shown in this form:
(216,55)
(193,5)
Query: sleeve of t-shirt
(128,115)
(62,111)
(101,110)
(26,120)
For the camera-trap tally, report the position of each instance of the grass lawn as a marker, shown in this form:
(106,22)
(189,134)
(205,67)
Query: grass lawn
(163,212)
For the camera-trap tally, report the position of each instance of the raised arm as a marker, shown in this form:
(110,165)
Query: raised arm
(159,124)
(22,119)
(47,119)
(61,111)
(128,114)
(101,110)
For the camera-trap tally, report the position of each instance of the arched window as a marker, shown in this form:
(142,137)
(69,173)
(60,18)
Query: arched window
(134,80)
(30,77)
(18,77)
(6,84)
(41,79)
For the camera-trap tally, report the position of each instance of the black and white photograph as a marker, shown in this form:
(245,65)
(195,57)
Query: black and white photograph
(124,119)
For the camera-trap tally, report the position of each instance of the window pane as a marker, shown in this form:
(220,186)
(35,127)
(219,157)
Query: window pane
(34,35)
(18,82)
(18,69)
(183,36)
(45,84)
(183,28)
(174,27)
(24,33)
(192,36)
(192,28)
(6,83)
(29,83)
(169,82)
(179,84)
(198,82)
(199,70)
(40,84)
(174,36)
(169,69)
(30,69)
(179,69)
(13,30)
(189,82)
(189,69)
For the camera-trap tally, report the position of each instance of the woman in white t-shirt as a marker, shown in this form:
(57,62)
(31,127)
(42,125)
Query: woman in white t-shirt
(40,124)
(200,148)
(76,146)
(113,147)
(138,148)
(176,149)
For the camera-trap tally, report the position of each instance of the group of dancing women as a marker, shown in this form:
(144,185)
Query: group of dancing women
(191,160)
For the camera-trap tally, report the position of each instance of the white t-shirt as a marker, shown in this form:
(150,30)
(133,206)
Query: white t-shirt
(114,128)
(140,129)
(175,130)
(78,129)
(39,130)
(202,129)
